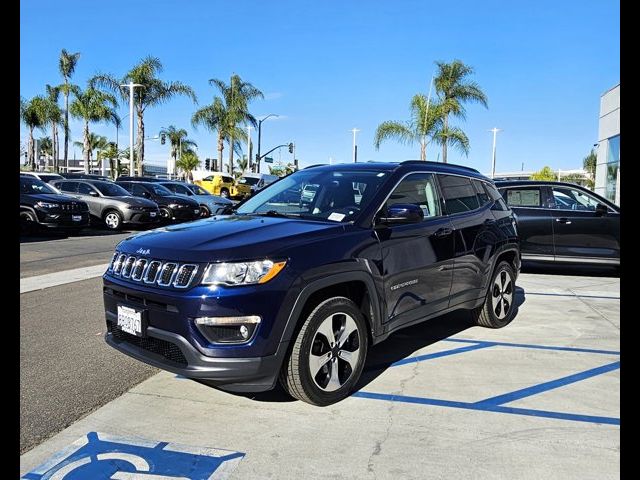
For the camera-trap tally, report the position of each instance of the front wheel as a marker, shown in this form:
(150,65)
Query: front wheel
(328,354)
(113,220)
(498,309)
(224,193)
(204,211)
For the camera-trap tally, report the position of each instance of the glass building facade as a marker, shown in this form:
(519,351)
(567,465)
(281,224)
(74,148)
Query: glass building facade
(607,181)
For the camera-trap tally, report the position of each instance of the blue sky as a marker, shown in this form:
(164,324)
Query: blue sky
(329,66)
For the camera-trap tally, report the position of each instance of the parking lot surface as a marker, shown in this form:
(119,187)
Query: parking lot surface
(444,399)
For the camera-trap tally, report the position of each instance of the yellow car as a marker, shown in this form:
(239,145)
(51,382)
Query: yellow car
(241,190)
(218,184)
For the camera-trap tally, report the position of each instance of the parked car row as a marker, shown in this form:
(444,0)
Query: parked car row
(110,204)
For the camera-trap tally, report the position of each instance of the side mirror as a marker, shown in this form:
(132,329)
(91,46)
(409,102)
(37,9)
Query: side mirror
(402,213)
(93,193)
(146,194)
(601,210)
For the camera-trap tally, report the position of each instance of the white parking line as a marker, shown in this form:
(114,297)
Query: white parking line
(48,280)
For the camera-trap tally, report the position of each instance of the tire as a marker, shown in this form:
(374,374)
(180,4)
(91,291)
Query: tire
(28,222)
(112,220)
(165,214)
(498,310)
(334,376)
(224,193)
(204,211)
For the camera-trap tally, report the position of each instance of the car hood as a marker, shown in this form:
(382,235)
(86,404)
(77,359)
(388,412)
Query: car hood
(135,201)
(232,237)
(211,199)
(176,199)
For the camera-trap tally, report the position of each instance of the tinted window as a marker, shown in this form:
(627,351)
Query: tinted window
(159,190)
(47,178)
(84,189)
(248,180)
(226,179)
(177,188)
(459,194)
(567,198)
(198,190)
(109,189)
(420,190)
(69,187)
(524,197)
(31,185)
(208,179)
(483,196)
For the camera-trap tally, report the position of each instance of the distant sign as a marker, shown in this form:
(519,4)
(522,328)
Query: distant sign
(268,160)
(103,456)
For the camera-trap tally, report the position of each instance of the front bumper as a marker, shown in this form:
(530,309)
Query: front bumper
(137,217)
(172,352)
(63,220)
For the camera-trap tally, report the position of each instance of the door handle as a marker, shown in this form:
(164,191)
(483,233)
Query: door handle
(564,220)
(443,232)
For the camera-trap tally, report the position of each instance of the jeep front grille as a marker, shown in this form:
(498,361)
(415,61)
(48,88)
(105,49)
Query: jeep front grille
(152,272)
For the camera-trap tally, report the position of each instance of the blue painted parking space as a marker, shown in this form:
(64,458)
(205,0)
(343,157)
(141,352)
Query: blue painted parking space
(497,403)
(100,456)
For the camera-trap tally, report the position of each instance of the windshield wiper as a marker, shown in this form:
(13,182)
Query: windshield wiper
(275,213)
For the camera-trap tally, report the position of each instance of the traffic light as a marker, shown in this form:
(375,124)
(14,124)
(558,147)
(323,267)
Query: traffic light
(163,138)
(291,148)
(207,163)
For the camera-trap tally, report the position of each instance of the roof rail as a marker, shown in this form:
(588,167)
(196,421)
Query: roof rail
(423,162)
(316,165)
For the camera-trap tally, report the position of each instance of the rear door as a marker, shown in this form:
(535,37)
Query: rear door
(579,232)
(531,207)
(94,202)
(469,210)
(417,258)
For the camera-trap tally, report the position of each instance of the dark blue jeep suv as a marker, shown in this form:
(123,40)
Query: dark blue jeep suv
(296,289)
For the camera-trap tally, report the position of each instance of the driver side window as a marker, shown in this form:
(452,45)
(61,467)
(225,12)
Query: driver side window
(567,198)
(418,189)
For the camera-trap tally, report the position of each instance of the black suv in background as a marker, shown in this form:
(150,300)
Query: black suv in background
(42,206)
(172,207)
(110,204)
(298,291)
(563,222)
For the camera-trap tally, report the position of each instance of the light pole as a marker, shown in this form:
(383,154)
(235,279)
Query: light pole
(355,147)
(260,137)
(493,156)
(249,152)
(131,86)
(426,117)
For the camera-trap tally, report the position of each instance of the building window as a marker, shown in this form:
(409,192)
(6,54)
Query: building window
(613,164)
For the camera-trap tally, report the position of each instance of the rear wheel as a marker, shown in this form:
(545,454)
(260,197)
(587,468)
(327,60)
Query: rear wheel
(497,310)
(328,354)
(112,220)
(165,214)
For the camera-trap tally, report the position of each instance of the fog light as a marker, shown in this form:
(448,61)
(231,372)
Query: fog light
(228,329)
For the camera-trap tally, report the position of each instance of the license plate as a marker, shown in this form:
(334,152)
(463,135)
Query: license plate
(76,218)
(130,320)
(152,214)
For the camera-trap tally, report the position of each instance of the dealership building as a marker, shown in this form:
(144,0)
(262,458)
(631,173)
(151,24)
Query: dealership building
(607,181)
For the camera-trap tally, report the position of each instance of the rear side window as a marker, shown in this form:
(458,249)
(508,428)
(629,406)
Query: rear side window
(459,195)
(524,197)
(69,187)
(227,179)
(483,196)
(84,189)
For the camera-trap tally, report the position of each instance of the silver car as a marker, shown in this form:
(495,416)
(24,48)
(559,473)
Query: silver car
(109,203)
(209,204)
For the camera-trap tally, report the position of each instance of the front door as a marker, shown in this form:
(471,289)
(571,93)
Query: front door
(417,258)
(579,231)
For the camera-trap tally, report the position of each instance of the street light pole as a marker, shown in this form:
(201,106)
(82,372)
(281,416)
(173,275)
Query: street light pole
(493,156)
(131,86)
(355,151)
(260,137)
(249,147)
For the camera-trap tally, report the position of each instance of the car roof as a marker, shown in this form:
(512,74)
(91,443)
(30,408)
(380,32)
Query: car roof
(405,166)
(524,183)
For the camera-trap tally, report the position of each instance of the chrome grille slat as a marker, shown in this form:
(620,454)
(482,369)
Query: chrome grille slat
(149,271)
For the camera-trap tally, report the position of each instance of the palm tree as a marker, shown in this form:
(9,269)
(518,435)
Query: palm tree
(188,162)
(92,105)
(422,125)
(178,141)
(243,164)
(109,152)
(237,96)
(46,147)
(67,65)
(454,90)
(214,118)
(95,142)
(153,92)
(33,115)
(53,118)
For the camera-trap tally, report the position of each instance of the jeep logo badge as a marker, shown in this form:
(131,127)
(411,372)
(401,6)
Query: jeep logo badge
(143,251)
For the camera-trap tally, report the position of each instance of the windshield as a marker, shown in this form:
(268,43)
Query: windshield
(161,191)
(196,189)
(337,196)
(248,180)
(109,189)
(31,185)
(47,178)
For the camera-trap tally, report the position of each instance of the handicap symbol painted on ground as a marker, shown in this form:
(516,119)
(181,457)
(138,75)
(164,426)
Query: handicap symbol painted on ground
(99,456)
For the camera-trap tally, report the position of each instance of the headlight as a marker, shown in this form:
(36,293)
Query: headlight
(134,207)
(241,273)
(47,205)
(173,205)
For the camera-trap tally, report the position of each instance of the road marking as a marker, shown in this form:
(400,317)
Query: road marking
(48,280)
